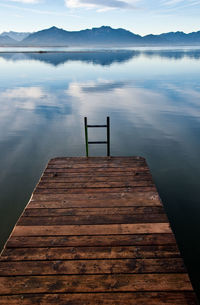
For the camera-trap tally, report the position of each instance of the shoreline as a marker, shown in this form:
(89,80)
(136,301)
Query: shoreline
(100,50)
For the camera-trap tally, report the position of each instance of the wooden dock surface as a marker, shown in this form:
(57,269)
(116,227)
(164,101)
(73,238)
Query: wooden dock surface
(94,232)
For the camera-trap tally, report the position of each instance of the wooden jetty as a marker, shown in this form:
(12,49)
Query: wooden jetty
(94,232)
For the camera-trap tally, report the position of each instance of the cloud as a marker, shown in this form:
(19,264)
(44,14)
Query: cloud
(25,97)
(171,7)
(119,96)
(25,1)
(36,99)
(180,3)
(101,5)
(23,92)
(172,2)
(36,11)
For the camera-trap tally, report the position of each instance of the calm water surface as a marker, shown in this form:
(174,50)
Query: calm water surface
(153,100)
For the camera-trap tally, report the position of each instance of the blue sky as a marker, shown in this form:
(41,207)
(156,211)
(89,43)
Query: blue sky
(139,16)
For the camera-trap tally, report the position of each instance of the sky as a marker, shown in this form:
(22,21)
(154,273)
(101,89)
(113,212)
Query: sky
(139,16)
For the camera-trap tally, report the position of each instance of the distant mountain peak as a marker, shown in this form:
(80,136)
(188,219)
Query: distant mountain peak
(102,28)
(5,40)
(18,36)
(51,29)
(105,27)
(54,28)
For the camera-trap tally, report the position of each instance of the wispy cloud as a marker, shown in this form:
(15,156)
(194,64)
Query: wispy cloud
(26,1)
(101,5)
(172,7)
(172,2)
(180,3)
(37,11)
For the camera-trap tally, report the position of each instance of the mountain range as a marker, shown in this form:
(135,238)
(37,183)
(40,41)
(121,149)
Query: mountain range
(18,36)
(102,36)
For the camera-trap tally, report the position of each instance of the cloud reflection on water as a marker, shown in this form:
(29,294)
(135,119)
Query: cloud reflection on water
(100,97)
(132,99)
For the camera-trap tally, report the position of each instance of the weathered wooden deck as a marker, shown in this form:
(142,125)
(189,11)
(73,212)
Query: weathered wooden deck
(94,232)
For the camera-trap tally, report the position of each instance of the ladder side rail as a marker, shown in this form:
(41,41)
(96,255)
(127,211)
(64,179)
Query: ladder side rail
(86,137)
(108,136)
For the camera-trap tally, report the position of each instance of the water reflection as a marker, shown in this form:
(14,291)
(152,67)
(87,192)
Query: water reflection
(103,58)
(142,106)
(171,54)
(36,100)
(56,59)
(154,107)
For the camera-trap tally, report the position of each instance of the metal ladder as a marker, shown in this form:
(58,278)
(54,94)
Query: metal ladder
(97,142)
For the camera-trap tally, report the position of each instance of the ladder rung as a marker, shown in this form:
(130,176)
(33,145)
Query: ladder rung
(98,142)
(97,126)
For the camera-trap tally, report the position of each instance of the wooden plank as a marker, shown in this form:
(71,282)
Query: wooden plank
(89,203)
(92,220)
(92,229)
(134,173)
(142,298)
(93,211)
(97,160)
(91,240)
(95,190)
(95,283)
(103,165)
(137,197)
(64,185)
(94,170)
(100,163)
(119,159)
(124,159)
(92,178)
(94,159)
(64,253)
(139,266)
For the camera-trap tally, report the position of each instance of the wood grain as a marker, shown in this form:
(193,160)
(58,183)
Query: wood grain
(95,283)
(93,211)
(93,184)
(66,178)
(101,252)
(106,229)
(81,190)
(92,219)
(134,197)
(111,266)
(66,202)
(141,298)
(90,240)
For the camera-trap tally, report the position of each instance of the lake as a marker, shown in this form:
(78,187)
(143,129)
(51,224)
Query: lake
(153,99)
